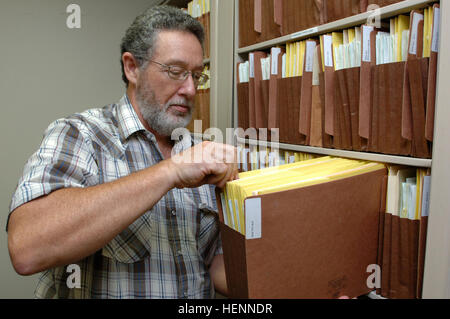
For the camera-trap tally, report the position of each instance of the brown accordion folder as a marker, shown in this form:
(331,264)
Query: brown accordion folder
(316,241)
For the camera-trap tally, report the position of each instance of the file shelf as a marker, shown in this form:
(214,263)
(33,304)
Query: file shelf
(385,12)
(436,283)
(398,160)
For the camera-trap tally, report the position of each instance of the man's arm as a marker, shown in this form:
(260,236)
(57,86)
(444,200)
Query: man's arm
(70,224)
(217,272)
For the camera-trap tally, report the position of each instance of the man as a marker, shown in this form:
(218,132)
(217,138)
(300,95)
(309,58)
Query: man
(109,191)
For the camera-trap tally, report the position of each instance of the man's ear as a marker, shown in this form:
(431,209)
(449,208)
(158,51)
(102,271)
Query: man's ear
(131,67)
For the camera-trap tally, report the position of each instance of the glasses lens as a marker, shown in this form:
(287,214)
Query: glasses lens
(177,73)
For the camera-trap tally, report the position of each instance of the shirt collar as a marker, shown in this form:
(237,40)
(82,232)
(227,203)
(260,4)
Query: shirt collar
(129,122)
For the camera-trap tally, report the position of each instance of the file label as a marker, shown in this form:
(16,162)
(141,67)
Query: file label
(436,27)
(253,218)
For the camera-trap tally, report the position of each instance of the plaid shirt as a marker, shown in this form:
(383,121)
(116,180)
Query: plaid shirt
(163,254)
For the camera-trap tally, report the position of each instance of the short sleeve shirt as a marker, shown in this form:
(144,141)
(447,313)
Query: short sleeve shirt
(165,253)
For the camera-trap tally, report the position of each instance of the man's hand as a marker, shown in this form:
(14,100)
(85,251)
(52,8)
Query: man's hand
(206,163)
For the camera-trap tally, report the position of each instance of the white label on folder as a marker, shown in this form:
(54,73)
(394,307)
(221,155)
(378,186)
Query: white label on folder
(309,59)
(275,53)
(426,196)
(252,65)
(253,218)
(327,50)
(367,54)
(415,33)
(436,29)
(304,33)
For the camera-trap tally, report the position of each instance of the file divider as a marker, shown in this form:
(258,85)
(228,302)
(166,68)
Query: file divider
(243,105)
(387,110)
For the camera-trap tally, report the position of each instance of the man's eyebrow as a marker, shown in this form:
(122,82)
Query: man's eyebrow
(184,64)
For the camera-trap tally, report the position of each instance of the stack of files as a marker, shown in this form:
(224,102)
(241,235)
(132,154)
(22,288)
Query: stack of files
(341,62)
(257,87)
(202,105)
(403,230)
(299,98)
(289,93)
(420,81)
(302,230)
(200,9)
(362,89)
(398,84)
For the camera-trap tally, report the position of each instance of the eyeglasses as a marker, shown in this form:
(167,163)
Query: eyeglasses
(179,73)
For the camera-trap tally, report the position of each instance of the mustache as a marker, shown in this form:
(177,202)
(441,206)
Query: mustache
(182,102)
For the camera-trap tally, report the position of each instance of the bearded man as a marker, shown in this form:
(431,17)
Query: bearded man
(104,193)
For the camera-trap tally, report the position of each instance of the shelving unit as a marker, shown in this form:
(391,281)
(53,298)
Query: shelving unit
(399,160)
(224,113)
(385,12)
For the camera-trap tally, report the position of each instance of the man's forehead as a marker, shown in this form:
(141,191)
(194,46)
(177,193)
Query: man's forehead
(178,47)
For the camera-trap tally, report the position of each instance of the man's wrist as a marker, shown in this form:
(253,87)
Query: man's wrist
(169,173)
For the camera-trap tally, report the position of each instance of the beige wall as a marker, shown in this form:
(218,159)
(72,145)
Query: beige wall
(48,71)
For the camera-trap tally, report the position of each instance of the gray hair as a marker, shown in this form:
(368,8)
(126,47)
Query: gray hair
(140,37)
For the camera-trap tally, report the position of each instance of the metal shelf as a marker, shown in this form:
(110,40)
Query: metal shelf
(389,159)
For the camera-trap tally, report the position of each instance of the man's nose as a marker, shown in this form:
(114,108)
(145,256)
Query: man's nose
(188,88)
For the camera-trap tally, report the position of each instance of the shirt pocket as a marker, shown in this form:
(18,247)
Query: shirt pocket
(133,244)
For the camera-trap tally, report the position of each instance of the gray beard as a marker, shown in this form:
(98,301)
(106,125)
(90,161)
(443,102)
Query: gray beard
(156,115)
